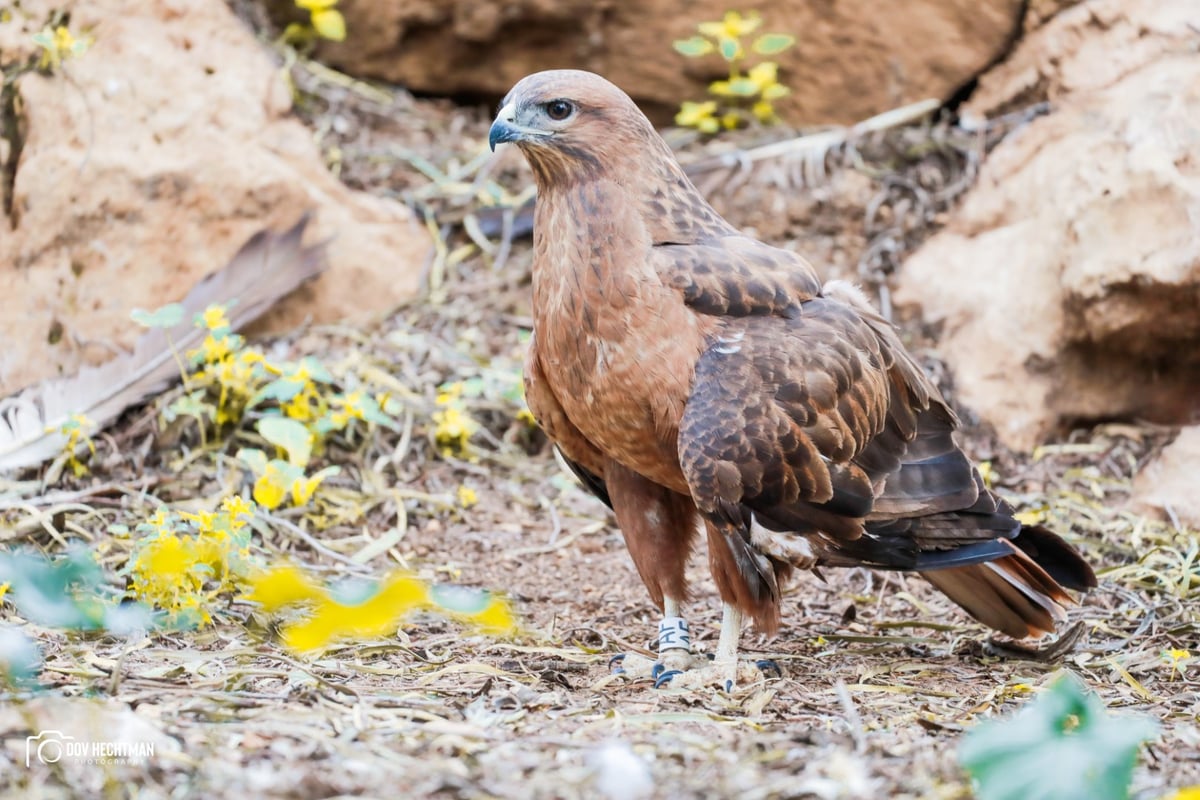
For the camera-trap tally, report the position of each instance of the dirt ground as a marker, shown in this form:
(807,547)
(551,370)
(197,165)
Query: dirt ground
(880,674)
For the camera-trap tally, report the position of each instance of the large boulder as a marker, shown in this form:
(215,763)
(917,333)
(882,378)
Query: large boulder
(1067,286)
(852,58)
(1168,484)
(144,164)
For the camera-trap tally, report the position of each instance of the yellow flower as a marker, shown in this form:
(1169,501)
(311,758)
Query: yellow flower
(449,393)
(733,26)
(467,497)
(271,487)
(214,318)
(160,521)
(305,406)
(57,46)
(203,519)
(764,74)
(763,111)
(212,349)
(731,120)
(1186,793)
(237,507)
(1175,656)
(698,115)
(4,587)
(304,488)
(454,428)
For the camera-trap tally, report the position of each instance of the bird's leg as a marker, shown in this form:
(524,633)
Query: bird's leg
(725,670)
(674,649)
(674,641)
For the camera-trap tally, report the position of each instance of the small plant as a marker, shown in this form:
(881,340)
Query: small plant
(183,562)
(1062,746)
(58,44)
(297,404)
(749,93)
(77,429)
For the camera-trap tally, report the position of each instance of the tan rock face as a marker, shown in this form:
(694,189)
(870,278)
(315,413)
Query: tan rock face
(1068,284)
(852,59)
(170,144)
(1170,484)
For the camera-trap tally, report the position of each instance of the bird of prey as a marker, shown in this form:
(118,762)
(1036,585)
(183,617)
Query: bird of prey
(695,378)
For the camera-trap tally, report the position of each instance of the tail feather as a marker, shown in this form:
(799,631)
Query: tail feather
(1013,594)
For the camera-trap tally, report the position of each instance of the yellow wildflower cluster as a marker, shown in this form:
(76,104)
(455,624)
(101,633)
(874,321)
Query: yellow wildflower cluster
(185,561)
(453,426)
(298,402)
(746,94)
(376,610)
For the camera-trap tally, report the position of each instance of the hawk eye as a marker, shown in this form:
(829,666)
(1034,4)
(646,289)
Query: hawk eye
(558,110)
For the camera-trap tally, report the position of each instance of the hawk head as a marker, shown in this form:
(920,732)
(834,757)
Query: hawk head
(570,124)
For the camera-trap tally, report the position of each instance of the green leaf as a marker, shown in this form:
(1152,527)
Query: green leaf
(730,49)
(190,405)
(1062,746)
(253,458)
(771,43)
(280,390)
(693,47)
(743,87)
(290,435)
(20,658)
(168,316)
(316,370)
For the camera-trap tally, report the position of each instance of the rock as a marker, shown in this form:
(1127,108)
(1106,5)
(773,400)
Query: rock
(1169,484)
(146,162)
(851,60)
(1067,285)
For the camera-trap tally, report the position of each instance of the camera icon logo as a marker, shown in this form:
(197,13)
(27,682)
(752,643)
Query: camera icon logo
(47,747)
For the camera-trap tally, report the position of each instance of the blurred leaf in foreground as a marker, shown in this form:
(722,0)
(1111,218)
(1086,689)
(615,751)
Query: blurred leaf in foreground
(368,609)
(1062,746)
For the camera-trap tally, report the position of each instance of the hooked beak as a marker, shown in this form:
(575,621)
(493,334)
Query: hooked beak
(506,129)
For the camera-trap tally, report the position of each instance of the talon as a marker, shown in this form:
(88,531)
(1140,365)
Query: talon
(616,660)
(769,665)
(657,670)
(665,677)
(728,686)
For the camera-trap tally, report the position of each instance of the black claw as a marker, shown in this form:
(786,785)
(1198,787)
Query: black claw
(614,664)
(665,677)
(728,687)
(769,665)
(656,670)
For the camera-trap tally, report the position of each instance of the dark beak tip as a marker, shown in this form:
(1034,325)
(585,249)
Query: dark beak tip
(500,133)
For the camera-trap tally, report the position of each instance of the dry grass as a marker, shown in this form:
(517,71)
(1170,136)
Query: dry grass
(880,674)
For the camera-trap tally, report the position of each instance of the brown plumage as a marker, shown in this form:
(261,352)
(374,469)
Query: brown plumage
(691,374)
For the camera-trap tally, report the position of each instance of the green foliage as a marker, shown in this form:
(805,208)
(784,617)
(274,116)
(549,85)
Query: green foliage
(1062,746)
(168,316)
(748,94)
